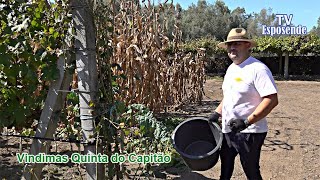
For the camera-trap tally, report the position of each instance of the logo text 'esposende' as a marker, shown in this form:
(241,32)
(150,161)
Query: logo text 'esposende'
(284,27)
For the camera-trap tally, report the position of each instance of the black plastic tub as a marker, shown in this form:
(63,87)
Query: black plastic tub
(198,142)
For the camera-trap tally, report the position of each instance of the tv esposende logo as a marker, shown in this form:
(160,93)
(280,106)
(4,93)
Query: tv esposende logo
(284,28)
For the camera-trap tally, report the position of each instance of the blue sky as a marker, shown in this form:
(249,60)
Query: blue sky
(305,12)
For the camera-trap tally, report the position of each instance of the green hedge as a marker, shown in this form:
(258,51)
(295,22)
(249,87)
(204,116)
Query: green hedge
(296,45)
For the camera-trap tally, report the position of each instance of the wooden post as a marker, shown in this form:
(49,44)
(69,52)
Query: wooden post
(286,65)
(86,64)
(49,119)
(280,63)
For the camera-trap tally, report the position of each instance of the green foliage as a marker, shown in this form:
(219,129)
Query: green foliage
(268,44)
(209,44)
(293,44)
(148,124)
(145,134)
(310,44)
(207,20)
(73,98)
(316,29)
(31,39)
(28,132)
(216,20)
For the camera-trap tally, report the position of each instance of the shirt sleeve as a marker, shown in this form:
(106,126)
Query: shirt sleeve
(264,83)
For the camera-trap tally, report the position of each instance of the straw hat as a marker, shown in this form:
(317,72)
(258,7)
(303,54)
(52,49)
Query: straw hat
(237,34)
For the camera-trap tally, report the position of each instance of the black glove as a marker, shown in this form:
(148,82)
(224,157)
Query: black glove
(237,125)
(214,117)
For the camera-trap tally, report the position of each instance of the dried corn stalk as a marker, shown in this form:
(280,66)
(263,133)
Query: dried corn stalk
(153,77)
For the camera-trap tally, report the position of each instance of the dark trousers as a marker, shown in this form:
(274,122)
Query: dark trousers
(248,146)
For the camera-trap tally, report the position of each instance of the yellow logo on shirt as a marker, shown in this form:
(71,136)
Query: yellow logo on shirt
(238,79)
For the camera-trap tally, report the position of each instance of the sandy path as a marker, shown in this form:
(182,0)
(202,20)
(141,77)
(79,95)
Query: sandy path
(292,146)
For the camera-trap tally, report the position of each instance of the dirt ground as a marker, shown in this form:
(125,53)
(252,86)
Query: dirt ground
(291,149)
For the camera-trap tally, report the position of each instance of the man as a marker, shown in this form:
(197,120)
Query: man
(249,95)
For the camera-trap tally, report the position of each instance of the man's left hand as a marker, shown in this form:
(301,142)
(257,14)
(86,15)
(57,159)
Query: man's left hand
(238,125)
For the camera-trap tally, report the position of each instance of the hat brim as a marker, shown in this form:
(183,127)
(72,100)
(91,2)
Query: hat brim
(224,44)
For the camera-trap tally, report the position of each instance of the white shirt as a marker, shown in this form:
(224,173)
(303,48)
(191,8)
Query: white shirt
(243,87)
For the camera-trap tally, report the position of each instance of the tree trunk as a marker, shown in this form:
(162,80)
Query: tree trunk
(280,63)
(87,79)
(286,65)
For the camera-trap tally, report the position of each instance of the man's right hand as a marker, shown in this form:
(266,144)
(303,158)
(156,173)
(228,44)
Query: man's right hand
(214,117)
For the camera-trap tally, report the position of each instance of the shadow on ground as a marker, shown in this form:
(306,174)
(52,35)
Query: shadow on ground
(192,176)
(11,171)
(190,110)
(297,78)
